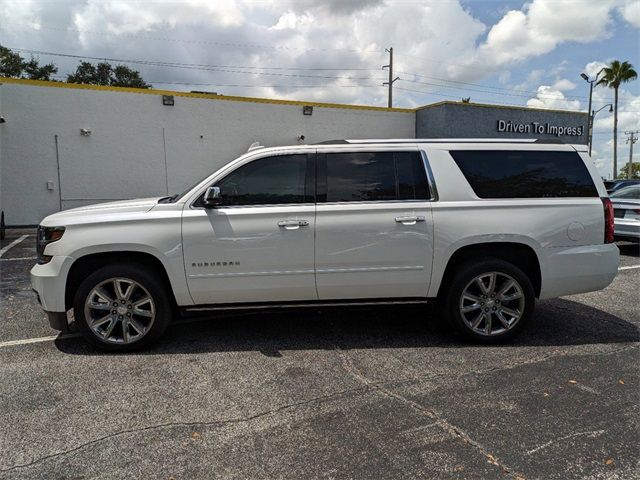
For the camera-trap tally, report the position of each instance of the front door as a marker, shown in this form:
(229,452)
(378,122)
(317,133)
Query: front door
(258,246)
(374,232)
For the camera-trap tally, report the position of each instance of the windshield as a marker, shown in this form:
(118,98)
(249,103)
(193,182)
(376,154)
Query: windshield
(178,196)
(632,191)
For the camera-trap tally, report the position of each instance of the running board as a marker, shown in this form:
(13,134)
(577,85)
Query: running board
(316,304)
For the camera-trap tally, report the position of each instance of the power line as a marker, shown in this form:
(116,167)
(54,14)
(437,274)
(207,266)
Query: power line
(531,92)
(254,70)
(188,66)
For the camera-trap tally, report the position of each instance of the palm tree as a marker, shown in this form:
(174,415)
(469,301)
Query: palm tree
(616,74)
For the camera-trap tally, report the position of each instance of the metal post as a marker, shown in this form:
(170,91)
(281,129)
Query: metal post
(590,117)
(633,138)
(55,137)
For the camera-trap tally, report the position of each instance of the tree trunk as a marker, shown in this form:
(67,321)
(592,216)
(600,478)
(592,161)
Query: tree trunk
(615,134)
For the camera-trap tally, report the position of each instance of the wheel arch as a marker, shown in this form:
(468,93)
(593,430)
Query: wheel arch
(519,254)
(87,264)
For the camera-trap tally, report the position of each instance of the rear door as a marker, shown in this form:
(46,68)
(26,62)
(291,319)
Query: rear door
(374,232)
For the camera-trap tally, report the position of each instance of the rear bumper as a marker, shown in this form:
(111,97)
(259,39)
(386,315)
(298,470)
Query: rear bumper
(571,270)
(627,229)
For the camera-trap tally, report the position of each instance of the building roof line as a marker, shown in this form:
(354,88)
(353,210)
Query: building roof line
(491,105)
(207,96)
(234,98)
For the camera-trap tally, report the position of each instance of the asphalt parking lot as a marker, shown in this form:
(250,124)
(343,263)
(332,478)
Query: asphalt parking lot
(375,393)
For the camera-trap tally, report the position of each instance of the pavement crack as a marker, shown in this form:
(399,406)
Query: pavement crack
(443,423)
(216,423)
(591,433)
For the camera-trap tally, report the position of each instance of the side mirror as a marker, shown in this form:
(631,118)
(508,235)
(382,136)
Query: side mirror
(212,197)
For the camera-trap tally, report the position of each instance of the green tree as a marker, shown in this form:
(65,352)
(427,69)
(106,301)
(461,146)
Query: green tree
(635,171)
(616,74)
(14,66)
(104,74)
(10,63)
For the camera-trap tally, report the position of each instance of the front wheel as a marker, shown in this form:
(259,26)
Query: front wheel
(122,308)
(490,300)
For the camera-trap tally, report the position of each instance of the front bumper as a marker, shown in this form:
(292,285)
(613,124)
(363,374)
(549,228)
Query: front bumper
(49,282)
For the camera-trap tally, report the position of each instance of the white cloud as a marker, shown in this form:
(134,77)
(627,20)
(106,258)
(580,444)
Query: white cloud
(434,37)
(550,97)
(630,11)
(544,24)
(119,17)
(563,84)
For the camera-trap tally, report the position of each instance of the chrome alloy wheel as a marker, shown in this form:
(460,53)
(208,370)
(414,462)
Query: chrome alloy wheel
(492,303)
(119,310)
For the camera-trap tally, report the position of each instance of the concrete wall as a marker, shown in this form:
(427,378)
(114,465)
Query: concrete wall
(139,147)
(469,120)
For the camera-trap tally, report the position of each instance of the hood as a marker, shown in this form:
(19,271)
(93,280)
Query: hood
(101,212)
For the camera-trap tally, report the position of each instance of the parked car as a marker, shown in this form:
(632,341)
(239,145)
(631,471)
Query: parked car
(615,185)
(626,210)
(486,227)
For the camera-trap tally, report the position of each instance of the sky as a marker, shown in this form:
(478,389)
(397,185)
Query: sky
(504,52)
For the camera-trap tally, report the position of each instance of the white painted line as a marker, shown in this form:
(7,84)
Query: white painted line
(629,267)
(19,258)
(27,341)
(6,248)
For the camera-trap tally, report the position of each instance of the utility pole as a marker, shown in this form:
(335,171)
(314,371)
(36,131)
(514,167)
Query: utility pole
(633,138)
(391,79)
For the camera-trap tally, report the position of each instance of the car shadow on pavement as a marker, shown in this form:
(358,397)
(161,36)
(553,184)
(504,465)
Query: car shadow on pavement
(557,322)
(629,249)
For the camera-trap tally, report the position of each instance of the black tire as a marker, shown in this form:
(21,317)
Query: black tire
(463,278)
(151,286)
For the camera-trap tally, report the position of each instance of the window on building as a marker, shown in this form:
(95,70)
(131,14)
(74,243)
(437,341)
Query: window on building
(525,174)
(272,180)
(374,176)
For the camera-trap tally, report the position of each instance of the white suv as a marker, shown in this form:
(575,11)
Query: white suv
(484,226)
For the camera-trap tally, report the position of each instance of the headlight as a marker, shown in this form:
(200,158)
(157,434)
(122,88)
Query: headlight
(44,237)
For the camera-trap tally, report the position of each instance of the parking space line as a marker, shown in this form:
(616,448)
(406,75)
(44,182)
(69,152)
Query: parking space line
(629,267)
(6,248)
(27,341)
(17,259)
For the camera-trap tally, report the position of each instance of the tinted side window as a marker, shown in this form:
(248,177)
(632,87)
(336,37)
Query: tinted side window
(525,174)
(374,176)
(269,181)
(412,178)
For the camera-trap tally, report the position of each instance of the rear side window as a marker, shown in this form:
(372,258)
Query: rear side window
(372,176)
(525,174)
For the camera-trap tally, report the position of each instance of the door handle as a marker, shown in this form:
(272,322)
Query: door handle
(293,224)
(409,220)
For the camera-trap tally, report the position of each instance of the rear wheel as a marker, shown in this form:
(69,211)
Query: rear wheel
(490,300)
(122,308)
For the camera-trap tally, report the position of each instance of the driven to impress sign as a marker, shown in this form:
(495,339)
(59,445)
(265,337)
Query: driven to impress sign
(539,128)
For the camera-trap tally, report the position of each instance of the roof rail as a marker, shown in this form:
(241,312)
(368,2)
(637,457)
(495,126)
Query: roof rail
(331,142)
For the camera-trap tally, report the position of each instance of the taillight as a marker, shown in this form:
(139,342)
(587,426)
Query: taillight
(608,220)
